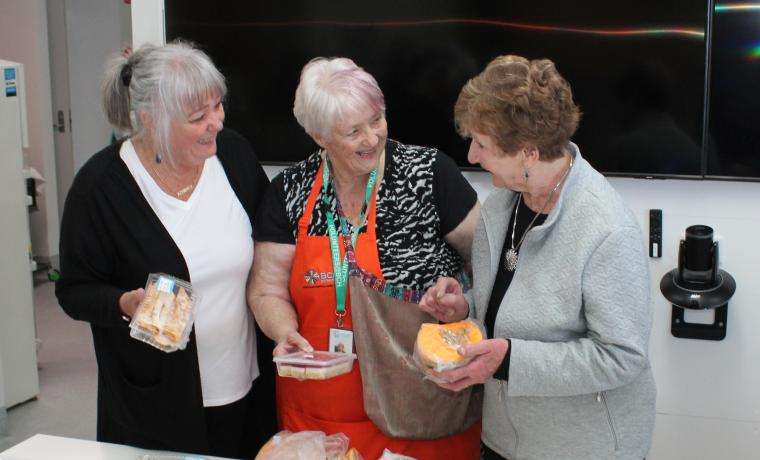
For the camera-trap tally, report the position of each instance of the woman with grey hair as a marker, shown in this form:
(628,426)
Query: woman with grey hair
(404,216)
(176,196)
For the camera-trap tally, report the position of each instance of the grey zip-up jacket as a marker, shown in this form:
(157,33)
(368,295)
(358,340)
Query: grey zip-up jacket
(578,315)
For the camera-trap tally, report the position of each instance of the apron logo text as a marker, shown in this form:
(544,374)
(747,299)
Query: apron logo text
(312,277)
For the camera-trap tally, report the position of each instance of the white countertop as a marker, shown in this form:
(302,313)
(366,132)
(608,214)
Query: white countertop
(44,447)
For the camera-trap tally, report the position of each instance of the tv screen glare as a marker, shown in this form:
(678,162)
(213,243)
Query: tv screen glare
(637,68)
(734,137)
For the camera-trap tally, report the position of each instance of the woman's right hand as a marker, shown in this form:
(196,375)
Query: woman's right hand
(445,301)
(292,343)
(130,300)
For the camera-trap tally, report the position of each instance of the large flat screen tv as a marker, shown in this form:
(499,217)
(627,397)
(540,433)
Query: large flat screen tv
(637,67)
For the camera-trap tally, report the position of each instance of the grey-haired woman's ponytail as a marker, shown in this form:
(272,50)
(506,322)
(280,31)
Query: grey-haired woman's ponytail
(115,93)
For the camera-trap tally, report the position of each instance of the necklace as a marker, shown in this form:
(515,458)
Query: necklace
(153,171)
(184,190)
(510,258)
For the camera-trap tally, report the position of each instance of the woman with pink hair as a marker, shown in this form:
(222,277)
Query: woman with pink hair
(399,217)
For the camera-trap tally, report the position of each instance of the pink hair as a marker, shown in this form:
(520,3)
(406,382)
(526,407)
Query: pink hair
(330,89)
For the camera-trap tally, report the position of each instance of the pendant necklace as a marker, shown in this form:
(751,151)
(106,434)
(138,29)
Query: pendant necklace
(179,193)
(510,257)
(154,171)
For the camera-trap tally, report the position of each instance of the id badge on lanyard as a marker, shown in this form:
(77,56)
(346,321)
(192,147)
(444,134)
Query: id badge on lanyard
(340,339)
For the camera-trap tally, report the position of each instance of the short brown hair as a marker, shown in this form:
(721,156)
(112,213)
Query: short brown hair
(519,103)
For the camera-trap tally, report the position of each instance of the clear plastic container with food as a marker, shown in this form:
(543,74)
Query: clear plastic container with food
(315,365)
(165,316)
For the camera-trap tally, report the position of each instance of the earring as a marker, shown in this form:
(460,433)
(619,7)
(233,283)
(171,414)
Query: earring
(159,158)
(526,175)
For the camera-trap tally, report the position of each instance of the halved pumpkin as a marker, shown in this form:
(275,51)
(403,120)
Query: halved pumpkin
(437,344)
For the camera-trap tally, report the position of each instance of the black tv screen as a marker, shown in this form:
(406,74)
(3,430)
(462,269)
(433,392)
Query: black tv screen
(734,134)
(636,67)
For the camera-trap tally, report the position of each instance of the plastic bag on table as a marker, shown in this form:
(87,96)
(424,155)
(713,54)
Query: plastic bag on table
(388,455)
(336,446)
(304,445)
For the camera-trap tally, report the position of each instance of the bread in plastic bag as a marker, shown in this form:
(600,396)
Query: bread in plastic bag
(306,445)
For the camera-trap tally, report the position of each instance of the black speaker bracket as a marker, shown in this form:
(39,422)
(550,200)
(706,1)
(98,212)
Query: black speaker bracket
(683,330)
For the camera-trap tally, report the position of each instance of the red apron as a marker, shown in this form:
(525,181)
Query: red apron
(336,405)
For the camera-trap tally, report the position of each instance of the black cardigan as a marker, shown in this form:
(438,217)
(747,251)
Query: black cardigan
(110,241)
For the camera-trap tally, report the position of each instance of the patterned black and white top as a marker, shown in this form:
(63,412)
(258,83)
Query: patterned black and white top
(422,197)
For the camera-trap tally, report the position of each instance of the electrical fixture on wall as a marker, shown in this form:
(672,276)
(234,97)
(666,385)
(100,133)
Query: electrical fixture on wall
(698,284)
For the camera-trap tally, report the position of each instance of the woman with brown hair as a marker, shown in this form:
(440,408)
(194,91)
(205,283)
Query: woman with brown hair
(561,281)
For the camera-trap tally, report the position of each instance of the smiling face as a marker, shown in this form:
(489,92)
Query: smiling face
(507,171)
(356,142)
(194,140)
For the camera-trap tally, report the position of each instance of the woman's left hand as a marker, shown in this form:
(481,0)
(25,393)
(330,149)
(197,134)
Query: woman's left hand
(487,357)
(444,301)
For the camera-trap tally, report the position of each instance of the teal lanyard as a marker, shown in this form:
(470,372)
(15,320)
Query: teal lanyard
(340,268)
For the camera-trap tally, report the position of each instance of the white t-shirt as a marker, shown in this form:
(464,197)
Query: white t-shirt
(213,232)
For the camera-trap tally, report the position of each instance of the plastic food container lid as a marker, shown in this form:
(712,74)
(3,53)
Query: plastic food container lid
(166,314)
(314,358)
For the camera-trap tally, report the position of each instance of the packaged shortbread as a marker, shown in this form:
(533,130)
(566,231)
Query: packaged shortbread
(165,316)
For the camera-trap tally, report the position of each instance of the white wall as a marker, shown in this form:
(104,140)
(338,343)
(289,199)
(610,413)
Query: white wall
(23,38)
(148,22)
(3,412)
(708,403)
(94,32)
